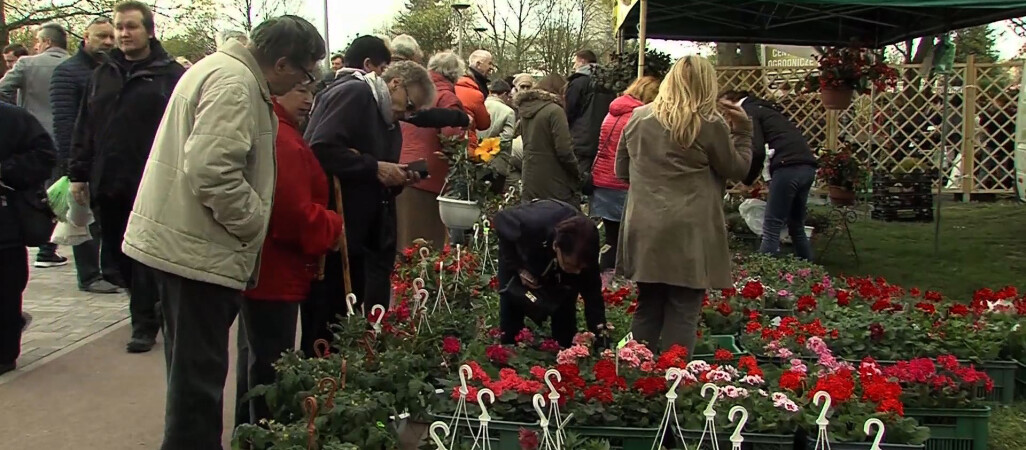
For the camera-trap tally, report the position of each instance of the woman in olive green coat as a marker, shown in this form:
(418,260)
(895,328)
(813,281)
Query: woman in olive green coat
(677,153)
(550,168)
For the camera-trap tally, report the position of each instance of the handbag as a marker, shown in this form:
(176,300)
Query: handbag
(33,215)
(537,304)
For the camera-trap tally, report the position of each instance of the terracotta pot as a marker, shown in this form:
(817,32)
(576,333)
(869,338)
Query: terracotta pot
(837,99)
(841,196)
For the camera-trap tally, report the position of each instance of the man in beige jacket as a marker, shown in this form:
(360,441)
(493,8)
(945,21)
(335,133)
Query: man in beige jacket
(202,210)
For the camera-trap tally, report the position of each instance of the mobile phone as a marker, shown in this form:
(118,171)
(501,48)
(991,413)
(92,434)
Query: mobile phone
(419,166)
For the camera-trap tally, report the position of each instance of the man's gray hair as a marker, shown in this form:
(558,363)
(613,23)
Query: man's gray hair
(406,47)
(413,75)
(54,33)
(448,65)
(478,56)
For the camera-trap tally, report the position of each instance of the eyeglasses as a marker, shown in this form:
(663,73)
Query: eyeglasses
(410,106)
(310,78)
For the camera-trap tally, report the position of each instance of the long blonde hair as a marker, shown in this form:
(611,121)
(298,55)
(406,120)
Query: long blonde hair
(686,96)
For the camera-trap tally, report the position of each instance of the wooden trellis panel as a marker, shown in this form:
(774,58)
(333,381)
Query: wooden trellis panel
(904,127)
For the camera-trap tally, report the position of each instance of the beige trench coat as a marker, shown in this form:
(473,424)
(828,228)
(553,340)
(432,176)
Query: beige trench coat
(673,228)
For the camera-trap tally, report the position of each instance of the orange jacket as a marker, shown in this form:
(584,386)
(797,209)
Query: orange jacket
(473,101)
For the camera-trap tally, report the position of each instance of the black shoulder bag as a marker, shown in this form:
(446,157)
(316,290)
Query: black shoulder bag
(33,215)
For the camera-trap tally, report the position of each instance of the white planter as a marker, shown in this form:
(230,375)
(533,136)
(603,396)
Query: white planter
(458,214)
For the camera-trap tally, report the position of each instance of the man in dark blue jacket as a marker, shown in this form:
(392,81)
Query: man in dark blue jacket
(67,89)
(26,162)
(125,101)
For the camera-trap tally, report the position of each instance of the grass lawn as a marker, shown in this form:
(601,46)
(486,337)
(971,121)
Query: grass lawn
(981,245)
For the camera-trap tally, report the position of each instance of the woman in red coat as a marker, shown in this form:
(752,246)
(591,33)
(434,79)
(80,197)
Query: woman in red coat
(302,228)
(610,192)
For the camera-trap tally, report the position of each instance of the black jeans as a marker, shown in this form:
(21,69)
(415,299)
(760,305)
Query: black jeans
(142,298)
(608,259)
(14,273)
(267,328)
(563,321)
(788,194)
(197,319)
(93,262)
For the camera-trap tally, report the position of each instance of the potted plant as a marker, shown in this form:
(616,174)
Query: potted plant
(843,71)
(842,173)
(468,184)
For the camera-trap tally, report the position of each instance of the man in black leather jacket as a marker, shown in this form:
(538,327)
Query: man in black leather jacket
(548,256)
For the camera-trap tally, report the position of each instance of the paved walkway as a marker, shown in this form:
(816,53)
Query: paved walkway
(63,315)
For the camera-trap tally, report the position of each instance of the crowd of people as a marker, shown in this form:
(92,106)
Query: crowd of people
(250,186)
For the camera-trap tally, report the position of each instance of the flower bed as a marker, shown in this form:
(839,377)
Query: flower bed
(618,396)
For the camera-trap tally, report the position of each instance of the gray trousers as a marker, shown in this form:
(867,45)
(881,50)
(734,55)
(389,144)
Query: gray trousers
(667,315)
(197,319)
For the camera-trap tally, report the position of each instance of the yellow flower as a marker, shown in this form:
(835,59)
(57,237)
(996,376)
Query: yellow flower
(487,149)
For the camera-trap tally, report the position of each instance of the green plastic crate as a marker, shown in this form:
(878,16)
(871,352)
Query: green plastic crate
(753,441)
(1020,382)
(811,444)
(1003,373)
(726,341)
(954,429)
(506,435)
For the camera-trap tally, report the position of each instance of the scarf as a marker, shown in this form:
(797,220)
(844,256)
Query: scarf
(378,87)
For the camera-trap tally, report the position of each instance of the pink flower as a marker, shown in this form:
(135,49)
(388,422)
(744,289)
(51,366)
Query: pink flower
(783,293)
(789,278)
(804,273)
(647,366)
(524,337)
(798,366)
(549,345)
(572,354)
(784,353)
(585,338)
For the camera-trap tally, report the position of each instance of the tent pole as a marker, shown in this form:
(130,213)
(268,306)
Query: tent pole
(642,30)
(941,158)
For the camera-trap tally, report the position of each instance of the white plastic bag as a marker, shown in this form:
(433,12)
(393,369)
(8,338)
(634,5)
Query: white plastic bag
(753,211)
(80,215)
(67,234)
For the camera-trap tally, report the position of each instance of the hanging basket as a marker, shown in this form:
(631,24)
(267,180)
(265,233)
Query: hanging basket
(458,214)
(841,196)
(836,99)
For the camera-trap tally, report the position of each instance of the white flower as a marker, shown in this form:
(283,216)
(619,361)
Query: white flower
(790,406)
(753,380)
(763,393)
(719,375)
(778,397)
(698,366)
(731,370)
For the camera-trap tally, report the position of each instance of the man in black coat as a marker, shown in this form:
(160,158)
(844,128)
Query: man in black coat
(67,89)
(26,162)
(125,102)
(354,132)
(792,169)
(585,110)
(548,255)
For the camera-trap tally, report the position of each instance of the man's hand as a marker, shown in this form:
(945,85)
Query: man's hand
(80,192)
(734,114)
(529,281)
(391,174)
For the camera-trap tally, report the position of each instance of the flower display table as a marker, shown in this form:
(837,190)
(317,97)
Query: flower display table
(954,429)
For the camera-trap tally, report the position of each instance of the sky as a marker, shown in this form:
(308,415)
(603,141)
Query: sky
(350,18)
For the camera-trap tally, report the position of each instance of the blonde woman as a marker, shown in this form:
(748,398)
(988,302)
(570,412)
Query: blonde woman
(677,154)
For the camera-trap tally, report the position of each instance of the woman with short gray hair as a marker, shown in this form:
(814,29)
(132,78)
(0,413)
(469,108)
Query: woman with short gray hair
(406,48)
(417,208)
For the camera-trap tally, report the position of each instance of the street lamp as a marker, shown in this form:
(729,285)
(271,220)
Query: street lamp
(459,6)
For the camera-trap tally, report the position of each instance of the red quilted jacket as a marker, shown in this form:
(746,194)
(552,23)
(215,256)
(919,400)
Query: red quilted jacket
(603,173)
(302,227)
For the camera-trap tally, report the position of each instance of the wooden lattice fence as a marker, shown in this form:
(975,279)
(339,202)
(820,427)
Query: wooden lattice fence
(903,128)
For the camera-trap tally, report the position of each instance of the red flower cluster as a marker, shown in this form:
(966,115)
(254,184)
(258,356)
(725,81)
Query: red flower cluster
(723,354)
(791,380)
(650,386)
(752,290)
(806,303)
(843,298)
(525,336)
(840,385)
(675,356)
(952,375)
(509,380)
(498,354)
(724,308)
(451,345)
(617,297)
(928,308)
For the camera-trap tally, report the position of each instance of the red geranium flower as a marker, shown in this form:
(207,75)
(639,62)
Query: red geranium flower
(843,298)
(723,354)
(451,345)
(958,310)
(928,308)
(791,381)
(498,354)
(650,386)
(806,303)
